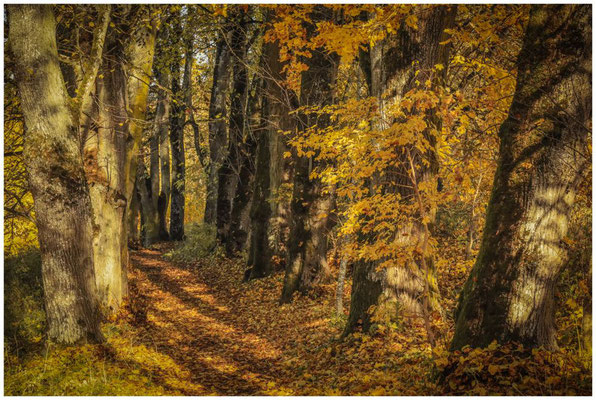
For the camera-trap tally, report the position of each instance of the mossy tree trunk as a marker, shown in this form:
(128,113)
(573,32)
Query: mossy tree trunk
(509,295)
(139,52)
(56,178)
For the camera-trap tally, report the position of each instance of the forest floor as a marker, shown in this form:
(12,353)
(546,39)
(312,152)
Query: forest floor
(197,329)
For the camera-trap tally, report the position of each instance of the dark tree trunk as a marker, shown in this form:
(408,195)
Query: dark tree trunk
(150,225)
(238,234)
(509,295)
(56,178)
(307,247)
(260,252)
(217,120)
(162,115)
(270,166)
(134,233)
(391,72)
(230,167)
(177,145)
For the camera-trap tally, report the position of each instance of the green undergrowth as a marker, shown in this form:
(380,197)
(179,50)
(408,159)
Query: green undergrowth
(200,242)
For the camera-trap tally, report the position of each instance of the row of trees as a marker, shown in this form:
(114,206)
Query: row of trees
(323,122)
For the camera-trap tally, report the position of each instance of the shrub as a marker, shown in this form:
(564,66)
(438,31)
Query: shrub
(200,242)
(24,315)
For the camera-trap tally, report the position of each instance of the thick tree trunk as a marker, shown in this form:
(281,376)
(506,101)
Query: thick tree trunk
(271,166)
(509,295)
(409,286)
(177,146)
(217,120)
(307,247)
(105,160)
(56,178)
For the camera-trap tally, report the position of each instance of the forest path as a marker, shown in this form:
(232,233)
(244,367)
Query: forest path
(232,337)
(199,319)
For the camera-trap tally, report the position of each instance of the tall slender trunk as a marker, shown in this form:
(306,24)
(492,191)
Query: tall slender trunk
(509,295)
(56,178)
(307,252)
(260,252)
(230,168)
(162,115)
(411,286)
(217,120)
(177,146)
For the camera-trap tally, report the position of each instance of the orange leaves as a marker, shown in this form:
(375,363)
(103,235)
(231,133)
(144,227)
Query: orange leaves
(512,370)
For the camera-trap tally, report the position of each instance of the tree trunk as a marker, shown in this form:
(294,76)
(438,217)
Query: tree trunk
(56,178)
(134,234)
(260,252)
(237,233)
(509,295)
(162,115)
(105,159)
(307,250)
(239,223)
(270,166)
(150,225)
(230,168)
(406,287)
(217,120)
(177,146)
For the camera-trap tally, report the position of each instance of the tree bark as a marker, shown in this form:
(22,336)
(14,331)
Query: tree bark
(392,73)
(270,166)
(217,120)
(56,178)
(177,144)
(105,159)
(307,246)
(509,295)
(230,168)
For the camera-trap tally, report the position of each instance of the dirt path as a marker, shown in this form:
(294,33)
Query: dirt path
(180,310)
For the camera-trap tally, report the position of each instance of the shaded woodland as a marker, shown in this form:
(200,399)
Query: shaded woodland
(298,199)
